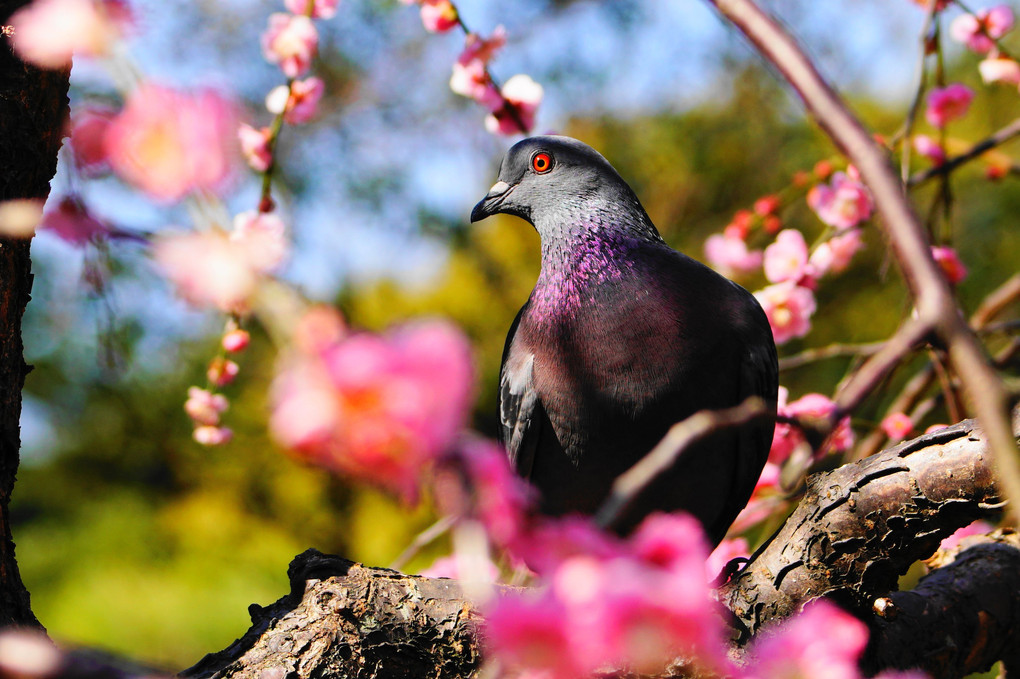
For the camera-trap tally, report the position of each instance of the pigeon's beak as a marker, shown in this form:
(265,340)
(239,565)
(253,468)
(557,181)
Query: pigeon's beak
(490,205)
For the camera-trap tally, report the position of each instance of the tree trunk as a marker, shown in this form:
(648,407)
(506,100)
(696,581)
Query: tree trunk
(33,108)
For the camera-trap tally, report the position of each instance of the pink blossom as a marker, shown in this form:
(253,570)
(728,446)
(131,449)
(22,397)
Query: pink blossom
(949,261)
(522,96)
(316,9)
(532,633)
(263,238)
(948,103)
(835,254)
(168,143)
(672,542)
(726,551)
(811,407)
(844,203)
(929,148)
(222,371)
(207,269)
(290,41)
(978,527)
(821,642)
(999,70)
(255,146)
(470,78)
(767,205)
(205,407)
(765,499)
(549,543)
(787,258)
(318,329)
(207,435)
(980,31)
(729,254)
(235,340)
(72,222)
(303,104)
(500,497)
(48,32)
(438,16)
(88,140)
(377,407)
(897,426)
(788,307)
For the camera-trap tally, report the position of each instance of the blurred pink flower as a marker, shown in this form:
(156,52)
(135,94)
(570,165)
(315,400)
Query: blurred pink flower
(673,542)
(843,203)
(320,9)
(500,497)
(548,543)
(208,435)
(948,103)
(207,269)
(290,41)
(897,426)
(729,255)
(786,259)
(168,143)
(88,140)
(980,31)
(949,261)
(48,32)
(788,307)
(263,238)
(303,103)
(438,16)
(726,551)
(978,527)
(72,222)
(255,146)
(449,567)
(522,96)
(835,254)
(532,633)
(470,78)
(787,436)
(222,371)
(821,642)
(999,70)
(765,499)
(235,340)
(929,148)
(379,407)
(205,407)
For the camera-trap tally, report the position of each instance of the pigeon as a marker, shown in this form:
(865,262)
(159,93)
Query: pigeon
(622,337)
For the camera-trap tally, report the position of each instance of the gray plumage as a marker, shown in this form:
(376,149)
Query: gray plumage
(621,338)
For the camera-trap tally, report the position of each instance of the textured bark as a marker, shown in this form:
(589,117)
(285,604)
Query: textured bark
(861,526)
(856,530)
(33,108)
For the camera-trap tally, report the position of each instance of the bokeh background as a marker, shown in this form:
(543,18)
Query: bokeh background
(133,538)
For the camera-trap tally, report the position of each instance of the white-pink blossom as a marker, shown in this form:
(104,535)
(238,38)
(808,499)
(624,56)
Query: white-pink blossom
(290,41)
(835,254)
(48,32)
(255,146)
(843,203)
(788,307)
(729,255)
(999,69)
(316,9)
(786,259)
(522,96)
(263,237)
(980,31)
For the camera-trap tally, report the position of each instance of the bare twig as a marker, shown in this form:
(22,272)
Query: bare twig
(935,306)
(809,356)
(631,483)
(996,139)
(427,536)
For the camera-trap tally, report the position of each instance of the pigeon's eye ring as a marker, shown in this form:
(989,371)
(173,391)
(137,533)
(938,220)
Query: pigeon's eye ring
(541,162)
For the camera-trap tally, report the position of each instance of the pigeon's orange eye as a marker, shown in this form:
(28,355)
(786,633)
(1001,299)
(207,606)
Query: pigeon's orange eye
(541,162)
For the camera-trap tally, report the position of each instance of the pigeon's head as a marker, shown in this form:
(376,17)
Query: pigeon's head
(552,181)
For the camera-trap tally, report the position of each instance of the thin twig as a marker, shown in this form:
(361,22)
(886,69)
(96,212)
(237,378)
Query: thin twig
(809,356)
(997,138)
(426,537)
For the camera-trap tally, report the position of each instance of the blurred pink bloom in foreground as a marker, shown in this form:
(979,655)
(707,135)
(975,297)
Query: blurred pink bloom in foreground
(205,407)
(726,551)
(437,16)
(999,70)
(843,203)
(948,103)
(929,148)
(788,307)
(88,139)
(522,95)
(821,642)
(469,78)
(298,103)
(835,254)
(729,255)
(764,500)
(208,435)
(787,258)
(950,263)
(71,221)
(979,31)
(320,9)
(48,32)
(378,407)
(207,269)
(290,41)
(263,237)
(235,340)
(168,143)
(500,497)
(255,146)
(897,426)
(979,527)
(787,436)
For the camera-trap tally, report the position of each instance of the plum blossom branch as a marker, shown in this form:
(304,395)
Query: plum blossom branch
(934,303)
(1001,136)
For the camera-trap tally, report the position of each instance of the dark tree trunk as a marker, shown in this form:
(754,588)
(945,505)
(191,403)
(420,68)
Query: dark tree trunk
(33,108)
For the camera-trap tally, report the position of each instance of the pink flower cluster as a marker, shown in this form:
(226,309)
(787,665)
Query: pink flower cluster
(205,408)
(897,426)
(437,16)
(948,103)
(48,32)
(980,30)
(377,407)
(609,603)
(292,41)
(788,437)
(165,142)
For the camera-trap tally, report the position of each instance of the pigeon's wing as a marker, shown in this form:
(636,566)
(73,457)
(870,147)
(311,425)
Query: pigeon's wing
(520,410)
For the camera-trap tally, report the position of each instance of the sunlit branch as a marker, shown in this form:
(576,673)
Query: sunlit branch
(809,356)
